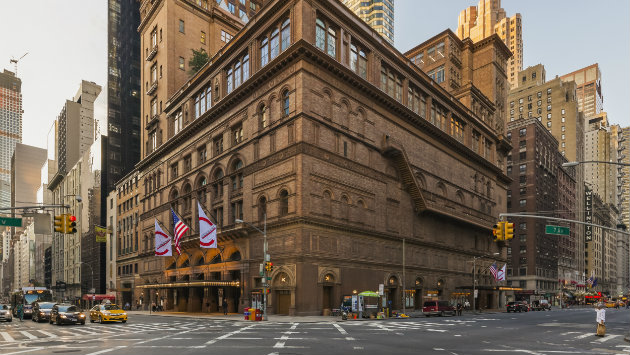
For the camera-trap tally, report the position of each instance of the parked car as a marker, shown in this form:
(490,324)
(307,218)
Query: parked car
(514,306)
(41,311)
(106,313)
(611,304)
(541,305)
(525,306)
(5,313)
(435,308)
(66,314)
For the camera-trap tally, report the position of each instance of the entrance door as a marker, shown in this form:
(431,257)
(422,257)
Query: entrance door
(327,302)
(418,299)
(283,302)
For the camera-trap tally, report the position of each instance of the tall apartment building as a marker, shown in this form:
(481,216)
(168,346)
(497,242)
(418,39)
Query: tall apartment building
(536,170)
(553,103)
(588,90)
(623,156)
(123,91)
(488,18)
(601,244)
(340,153)
(379,14)
(10,129)
(600,145)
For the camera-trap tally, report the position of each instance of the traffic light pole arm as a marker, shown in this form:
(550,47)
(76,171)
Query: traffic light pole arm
(33,207)
(524,215)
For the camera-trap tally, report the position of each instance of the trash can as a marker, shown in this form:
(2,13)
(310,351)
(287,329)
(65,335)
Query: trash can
(258,315)
(252,314)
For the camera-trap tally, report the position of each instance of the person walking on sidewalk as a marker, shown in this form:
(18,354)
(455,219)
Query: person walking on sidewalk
(601,320)
(224,305)
(20,312)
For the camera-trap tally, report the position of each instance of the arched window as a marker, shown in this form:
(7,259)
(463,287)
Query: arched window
(325,37)
(262,208)
(275,42)
(236,256)
(284,203)
(200,261)
(285,103)
(263,112)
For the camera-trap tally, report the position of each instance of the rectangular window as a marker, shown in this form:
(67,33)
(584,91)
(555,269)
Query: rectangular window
(522,203)
(181,26)
(358,60)
(522,132)
(174,171)
(201,155)
(187,163)
(237,134)
(218,146)
(391,83)
(203,37)
(237,211)
(181,63)
(225,37)
(178,122)
(325,37)
(457,129)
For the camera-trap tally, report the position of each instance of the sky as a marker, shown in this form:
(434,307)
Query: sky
(66,41)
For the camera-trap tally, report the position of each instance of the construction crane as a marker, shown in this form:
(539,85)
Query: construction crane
(15,62)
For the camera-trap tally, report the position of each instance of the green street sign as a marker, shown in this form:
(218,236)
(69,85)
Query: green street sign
(10,222)
(557,230)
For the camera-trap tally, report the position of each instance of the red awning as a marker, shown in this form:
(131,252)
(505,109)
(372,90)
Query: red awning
(88,297)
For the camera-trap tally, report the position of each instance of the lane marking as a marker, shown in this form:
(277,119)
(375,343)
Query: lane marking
(107,350)
(607,338)
(584,336)
(285,337)
(229,334)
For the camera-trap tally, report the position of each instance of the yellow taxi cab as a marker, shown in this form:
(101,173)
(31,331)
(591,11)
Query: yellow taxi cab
(611,304)
(107,313)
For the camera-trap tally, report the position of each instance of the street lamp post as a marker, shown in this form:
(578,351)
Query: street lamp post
(265,259)
(475,279)
(91,278)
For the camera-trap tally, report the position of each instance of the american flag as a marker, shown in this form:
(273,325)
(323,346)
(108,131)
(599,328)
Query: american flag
(493,270)
(179,228)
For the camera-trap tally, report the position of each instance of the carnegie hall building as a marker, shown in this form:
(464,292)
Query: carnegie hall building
(311,126)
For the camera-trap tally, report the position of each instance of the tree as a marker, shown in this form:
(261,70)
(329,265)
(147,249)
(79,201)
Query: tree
(198,60)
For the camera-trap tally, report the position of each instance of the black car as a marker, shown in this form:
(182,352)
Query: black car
(514,307)
(41,311)
(66,314)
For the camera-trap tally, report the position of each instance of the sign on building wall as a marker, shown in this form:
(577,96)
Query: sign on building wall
(588,217)
(101,234)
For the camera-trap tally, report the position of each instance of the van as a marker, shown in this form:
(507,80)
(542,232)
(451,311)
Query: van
(434,308)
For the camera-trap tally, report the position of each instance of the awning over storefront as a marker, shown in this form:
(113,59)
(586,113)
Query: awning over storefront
(192,284)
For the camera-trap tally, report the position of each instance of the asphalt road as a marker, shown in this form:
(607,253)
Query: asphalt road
(557,332)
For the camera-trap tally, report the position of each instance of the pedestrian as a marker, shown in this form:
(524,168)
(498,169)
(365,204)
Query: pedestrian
(459,309)
(153,306)
(467,305)
(224,305)
(20,311)
(127,306)
(601,320)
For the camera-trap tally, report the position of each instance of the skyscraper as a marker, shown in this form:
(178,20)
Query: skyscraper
(379,14)
(481,21)
(589,89)
(123,91)
(10,129)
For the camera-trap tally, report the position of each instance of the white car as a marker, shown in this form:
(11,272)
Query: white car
(5,313)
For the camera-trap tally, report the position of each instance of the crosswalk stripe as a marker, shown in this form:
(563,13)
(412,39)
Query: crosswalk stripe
(50,335)
(607,338)
(584,335)
(6,336)
(28,335)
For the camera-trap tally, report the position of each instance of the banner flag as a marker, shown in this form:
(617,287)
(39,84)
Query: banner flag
(207,230)
(179,229)
(101,234)
(501,274)
(162,242)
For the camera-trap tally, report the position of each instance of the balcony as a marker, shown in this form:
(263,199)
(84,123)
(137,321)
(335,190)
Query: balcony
(152,54)
(152,88)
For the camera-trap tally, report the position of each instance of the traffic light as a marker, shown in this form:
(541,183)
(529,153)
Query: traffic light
(269,266)
(60,223)
(71,223)
(498,232)
(509,230)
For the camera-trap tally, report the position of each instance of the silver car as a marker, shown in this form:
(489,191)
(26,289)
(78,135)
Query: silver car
(5,313)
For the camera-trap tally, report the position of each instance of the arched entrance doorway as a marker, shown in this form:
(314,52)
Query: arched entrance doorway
(393,297)
(328,293)
(418,296)
(282,293)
